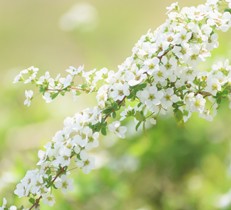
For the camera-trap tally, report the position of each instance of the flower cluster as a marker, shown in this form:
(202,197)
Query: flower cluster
(161,76)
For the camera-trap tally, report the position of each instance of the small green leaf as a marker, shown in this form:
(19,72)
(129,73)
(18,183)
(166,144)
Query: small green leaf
(138,125)
(178,115)
(42,89)
(130,113)
(54,95)
(227,10)
(114,114)
(104,130)
(140,116)
(139,104)
(32,200)
(135,89)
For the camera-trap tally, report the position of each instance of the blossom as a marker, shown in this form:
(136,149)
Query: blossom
(169,98)
(173,7)
(213,86)
(116,128)
(18,78)
(47,97)
(44,79)
(195,103)
(151,64)
(119,91)
(86,162)
(29,95)
(31,72)
(66,81)
(161,74)
(75,71)
(49,199)
(150,96)
(102,95)
(65,183)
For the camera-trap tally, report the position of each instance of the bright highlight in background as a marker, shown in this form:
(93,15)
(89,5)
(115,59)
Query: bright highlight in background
(81,16)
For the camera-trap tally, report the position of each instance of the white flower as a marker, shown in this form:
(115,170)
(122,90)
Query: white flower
(79,140)
(44,78)
(124,113)
(32,72)
(102,95)
(86,163)
(213,86)
(18,78)
(150,96)
(75,71)
(28,183)
(173,7)
(66,81)
(195,103)
(92,141)
(152,121)
(62,156)
(29,96)
(169,98)
(100,75)
(47,97)
(152,64)
(20,190)
(166,61)
(49,199)
(66,184)
(117,129)
(119,91)
(135,78)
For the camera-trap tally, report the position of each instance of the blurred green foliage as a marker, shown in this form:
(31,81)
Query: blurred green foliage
(167,167)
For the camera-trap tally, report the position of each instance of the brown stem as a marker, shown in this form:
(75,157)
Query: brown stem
(36,203)
(72,88)
(119,103)
(204,93)
(62,170)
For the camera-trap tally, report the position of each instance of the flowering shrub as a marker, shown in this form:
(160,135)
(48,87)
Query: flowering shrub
(161,76)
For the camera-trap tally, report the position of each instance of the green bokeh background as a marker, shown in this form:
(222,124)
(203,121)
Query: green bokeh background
(168,167)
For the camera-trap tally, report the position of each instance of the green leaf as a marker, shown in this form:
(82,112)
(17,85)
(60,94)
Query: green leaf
(42,89)
(138,125)
(48,172)
(84,86)
(227,10)
(32,200)
(135,89)
(107,110)
(115,106)
(114,114)
(178,114)
(130,113)
(96,127)
(104,130)
(139,104)
(54,95)
(140,116)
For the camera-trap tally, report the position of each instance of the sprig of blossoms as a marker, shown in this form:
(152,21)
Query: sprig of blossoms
(161,76)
